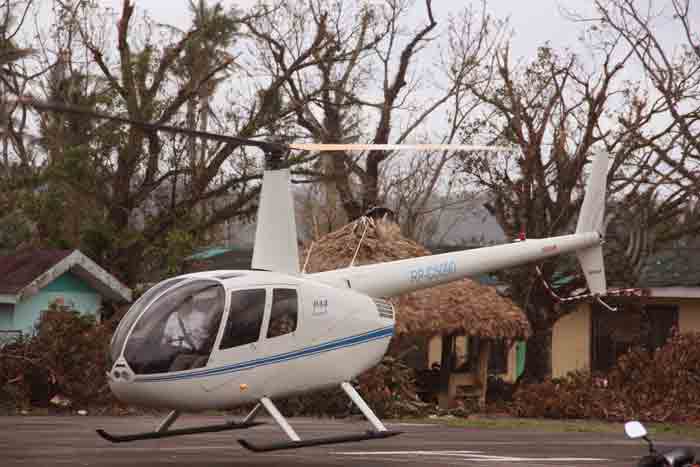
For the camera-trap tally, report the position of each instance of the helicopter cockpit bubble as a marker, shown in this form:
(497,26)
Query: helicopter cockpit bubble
(117,343)
(177,331)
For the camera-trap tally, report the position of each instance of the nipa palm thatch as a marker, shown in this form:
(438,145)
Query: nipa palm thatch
(461,307)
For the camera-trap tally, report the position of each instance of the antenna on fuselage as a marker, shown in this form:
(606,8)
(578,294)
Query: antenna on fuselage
(308,256)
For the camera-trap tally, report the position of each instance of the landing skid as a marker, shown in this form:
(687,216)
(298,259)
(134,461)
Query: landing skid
(179,432)
(295,442)
(317,441)
(164,431)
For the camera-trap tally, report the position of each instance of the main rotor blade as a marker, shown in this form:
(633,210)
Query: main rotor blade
(46,106)
(396,147)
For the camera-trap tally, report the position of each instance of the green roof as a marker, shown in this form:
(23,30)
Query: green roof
(208,253)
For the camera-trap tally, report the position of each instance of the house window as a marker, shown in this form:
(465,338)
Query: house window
(283,313)
(662,320)
(7,332)
(616,333)
(6,311)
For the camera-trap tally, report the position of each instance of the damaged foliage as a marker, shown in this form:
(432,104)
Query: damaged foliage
(67,356)
(661,386)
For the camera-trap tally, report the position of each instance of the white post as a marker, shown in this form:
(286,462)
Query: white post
(279,418)
(362,405)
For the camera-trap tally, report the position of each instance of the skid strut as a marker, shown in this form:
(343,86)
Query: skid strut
(164,431)
(295,442)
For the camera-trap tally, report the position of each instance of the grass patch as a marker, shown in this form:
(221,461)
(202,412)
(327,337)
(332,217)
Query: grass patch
(658,431)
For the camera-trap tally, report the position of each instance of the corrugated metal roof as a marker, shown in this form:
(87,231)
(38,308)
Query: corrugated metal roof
(19,270)
(672,267)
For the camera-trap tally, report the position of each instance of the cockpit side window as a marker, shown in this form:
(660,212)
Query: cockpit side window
(283,313)
(245,318)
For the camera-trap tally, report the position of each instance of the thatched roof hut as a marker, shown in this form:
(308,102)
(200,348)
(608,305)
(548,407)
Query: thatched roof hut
(461,307)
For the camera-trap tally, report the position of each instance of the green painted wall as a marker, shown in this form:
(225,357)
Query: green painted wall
(521,350)
(72,289)
(69,282)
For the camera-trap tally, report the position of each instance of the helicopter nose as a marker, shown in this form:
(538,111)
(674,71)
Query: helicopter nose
(121,383)
(121,373)
(120,379)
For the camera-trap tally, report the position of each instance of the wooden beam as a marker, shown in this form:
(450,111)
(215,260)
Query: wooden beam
(484,353)
(446,394)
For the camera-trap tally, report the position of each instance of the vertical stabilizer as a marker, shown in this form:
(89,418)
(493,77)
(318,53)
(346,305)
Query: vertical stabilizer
(591,220)
(593,209)
(276,232)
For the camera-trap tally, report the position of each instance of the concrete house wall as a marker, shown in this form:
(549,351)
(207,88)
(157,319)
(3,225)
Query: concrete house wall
(689,316)
(571,342)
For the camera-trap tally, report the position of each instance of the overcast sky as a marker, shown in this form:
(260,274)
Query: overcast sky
(534,22)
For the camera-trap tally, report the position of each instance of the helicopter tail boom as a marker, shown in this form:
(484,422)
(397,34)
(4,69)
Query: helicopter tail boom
(402,276)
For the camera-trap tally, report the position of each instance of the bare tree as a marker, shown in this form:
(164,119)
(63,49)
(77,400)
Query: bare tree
(553,113)
(673,108)
(145,191)
(13,78)
(661,125)
(366,88)
(17,169)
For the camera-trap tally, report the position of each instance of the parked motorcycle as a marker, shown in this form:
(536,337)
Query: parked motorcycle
(678,457)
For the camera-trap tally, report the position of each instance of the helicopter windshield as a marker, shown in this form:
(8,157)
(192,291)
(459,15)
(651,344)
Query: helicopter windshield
(132,315)
(178,330)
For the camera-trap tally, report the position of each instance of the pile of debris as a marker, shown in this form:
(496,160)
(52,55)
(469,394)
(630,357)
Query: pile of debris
(61,367)
(658,386)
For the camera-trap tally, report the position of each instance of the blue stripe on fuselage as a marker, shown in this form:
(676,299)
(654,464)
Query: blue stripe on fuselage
(325,347)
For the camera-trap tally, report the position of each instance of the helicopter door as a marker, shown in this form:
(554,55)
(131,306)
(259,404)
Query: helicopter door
(282,343)
(240,334)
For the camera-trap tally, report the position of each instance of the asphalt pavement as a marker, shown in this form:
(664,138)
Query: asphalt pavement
(71,440)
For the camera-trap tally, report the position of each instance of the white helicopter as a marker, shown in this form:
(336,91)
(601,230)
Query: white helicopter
(221,339)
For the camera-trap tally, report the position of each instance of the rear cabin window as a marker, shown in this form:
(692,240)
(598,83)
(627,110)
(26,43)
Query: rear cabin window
(283,314)
(244,318)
